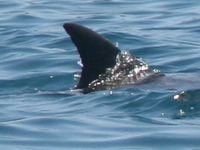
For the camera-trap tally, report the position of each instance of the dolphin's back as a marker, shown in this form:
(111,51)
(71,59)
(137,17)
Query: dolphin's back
(104,65)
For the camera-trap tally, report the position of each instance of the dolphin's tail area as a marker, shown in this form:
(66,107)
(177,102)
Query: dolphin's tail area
(96,52)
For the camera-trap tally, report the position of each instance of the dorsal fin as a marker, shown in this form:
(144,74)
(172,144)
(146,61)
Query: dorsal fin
(96,52)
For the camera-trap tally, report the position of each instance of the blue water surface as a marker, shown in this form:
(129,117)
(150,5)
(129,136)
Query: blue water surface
(38,62)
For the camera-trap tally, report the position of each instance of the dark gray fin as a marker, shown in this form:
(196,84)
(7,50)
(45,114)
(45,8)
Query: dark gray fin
(96,52)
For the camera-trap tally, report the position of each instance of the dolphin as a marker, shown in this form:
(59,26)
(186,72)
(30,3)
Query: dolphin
(104,65)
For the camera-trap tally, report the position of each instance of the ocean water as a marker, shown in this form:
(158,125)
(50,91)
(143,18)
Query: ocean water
(38,62)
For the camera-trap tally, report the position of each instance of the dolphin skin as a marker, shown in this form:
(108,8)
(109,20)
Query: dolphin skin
(105,66)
